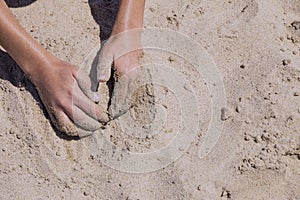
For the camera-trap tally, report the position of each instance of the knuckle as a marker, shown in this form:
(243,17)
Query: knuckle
(66,105)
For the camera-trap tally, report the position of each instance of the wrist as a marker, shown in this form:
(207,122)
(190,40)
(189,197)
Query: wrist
(125,27)
(130,16)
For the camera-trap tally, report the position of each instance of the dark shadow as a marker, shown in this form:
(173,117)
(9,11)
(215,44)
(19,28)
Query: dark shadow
(64,136)
(104,13)
(10,71)
(18,3)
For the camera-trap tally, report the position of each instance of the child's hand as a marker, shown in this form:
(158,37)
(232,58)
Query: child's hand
(123,52)
(66,94)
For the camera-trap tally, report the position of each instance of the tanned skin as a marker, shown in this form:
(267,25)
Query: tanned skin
(64,90)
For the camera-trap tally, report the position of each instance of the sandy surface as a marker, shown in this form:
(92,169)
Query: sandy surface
(256,47)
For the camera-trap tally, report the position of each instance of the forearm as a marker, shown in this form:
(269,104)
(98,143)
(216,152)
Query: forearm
(19,44)
(130,15)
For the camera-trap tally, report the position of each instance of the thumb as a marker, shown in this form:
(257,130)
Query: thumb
(105,61)
(85,84)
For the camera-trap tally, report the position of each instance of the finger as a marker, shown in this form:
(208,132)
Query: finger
(62,122)
(120,94)
(105,60)
(85,83)
(82,120)
(90,108)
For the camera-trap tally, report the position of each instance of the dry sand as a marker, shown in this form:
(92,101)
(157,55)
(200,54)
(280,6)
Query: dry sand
(256,47)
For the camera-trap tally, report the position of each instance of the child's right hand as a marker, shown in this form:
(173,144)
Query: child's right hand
(66,94)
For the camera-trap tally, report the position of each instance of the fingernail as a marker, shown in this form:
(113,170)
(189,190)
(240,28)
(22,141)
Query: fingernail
(102,77)
(96,97)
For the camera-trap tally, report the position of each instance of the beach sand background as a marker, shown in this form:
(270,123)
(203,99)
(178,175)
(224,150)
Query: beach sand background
(256,47)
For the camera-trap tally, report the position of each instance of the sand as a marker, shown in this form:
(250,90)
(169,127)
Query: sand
(256,48)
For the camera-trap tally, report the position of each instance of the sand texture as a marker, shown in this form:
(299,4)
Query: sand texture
(255,45)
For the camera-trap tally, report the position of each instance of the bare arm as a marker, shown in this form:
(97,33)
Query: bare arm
(130,15)
(19,44)
(62,88)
